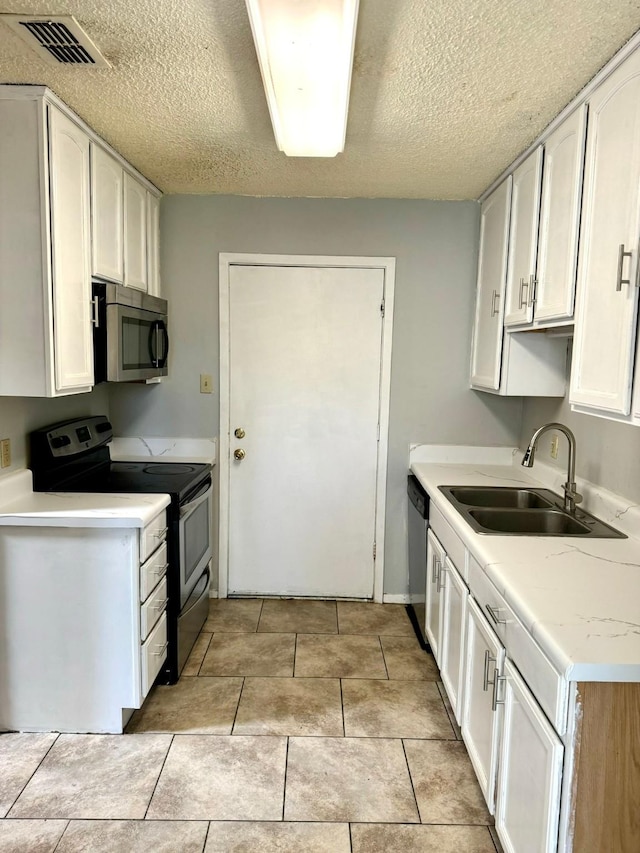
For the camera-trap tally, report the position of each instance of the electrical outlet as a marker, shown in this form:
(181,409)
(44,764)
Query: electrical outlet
(206,383)
(554,447)
(5,453)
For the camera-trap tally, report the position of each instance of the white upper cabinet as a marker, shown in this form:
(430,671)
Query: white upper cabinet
(153,244)
(523,239)
(135,233)
(554,288)
(607,295)
(70,239)
(107,178)
(486,351)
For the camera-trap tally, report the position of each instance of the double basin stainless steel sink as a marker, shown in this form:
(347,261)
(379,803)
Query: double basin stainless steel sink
(507,511)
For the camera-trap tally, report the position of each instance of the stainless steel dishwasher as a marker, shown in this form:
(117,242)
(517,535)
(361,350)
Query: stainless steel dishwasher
(418,523)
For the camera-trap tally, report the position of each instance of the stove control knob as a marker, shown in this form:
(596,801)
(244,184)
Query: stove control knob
(239,454)
(239,433)
(60,441)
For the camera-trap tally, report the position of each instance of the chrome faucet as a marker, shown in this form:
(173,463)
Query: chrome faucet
(571,496)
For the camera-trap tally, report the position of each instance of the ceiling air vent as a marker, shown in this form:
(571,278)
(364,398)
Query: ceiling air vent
(59,39)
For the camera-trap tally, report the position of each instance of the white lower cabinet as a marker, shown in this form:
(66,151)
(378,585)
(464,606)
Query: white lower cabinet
(434,597)
(81,642)
(453,633)
(482,715)
(530,773)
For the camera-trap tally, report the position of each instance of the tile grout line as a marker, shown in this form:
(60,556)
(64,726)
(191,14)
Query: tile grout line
(415,799)
(53,743)
(384,661)
(344,728)
(235,716)
(206,836)
(350,839)
(205,654)
(295,655)
(146,811)
(62,834)
(284,788)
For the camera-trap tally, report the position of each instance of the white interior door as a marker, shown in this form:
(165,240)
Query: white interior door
(304,386)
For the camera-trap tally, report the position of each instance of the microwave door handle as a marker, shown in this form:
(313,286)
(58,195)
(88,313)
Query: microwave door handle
(162,327)
(153,339)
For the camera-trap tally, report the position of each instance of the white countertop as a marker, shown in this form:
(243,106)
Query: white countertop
(579,598)
(20,506)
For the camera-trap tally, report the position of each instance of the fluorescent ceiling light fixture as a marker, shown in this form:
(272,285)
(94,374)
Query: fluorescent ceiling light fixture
(305,51)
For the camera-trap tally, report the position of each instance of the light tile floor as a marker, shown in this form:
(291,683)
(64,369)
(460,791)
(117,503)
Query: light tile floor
(297,727)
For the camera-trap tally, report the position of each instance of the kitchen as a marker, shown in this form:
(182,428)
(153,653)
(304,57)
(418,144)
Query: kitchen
(435,246)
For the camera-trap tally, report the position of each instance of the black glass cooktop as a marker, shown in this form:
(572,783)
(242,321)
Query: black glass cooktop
(175,478)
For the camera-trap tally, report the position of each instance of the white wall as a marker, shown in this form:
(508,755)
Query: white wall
(20,415)
(435,244)
(608,453)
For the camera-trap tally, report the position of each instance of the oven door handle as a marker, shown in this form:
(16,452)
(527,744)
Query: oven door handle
(195,503)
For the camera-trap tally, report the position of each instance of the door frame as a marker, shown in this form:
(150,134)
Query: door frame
(388,266)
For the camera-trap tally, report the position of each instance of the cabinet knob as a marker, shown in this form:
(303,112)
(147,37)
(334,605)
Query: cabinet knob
(239,454)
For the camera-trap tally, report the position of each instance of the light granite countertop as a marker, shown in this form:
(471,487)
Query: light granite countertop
(579,598)
(20,506)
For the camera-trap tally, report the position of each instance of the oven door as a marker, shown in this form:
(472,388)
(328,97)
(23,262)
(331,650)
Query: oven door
(195,540)
(137,343)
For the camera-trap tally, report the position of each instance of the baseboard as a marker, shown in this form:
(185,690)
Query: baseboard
(396,599)
(213,593)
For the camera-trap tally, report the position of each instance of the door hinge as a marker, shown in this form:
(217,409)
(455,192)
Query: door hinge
(374,550)
(382,307)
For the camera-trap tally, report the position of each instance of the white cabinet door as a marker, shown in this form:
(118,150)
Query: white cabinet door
(481,715)
(153,244)
(486,352)
(135,233)
(71,257)
(555,285)
(523,239)
(107,227)
(453,629)
(434,599)
(528,800)
(608,265)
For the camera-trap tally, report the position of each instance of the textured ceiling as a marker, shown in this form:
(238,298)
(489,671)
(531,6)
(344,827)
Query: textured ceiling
(444,95)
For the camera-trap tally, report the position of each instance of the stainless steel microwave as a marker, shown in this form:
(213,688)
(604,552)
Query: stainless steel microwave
(130,335)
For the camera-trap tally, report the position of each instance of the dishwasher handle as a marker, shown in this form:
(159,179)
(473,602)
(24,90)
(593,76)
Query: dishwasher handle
(417,495)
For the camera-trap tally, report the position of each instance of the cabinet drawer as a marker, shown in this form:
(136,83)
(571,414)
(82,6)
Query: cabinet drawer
(152,535)
(548,686)
(153,654)
(151,572)
(153,608)
(450,540)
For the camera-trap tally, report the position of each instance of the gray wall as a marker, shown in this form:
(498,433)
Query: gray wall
(435,244)
(20,415)
(608,453)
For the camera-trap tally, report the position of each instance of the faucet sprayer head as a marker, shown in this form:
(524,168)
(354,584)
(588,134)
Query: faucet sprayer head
(529,455)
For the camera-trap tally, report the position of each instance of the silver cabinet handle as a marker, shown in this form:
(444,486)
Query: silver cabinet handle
(435,569)
(488,660)
(522,299)
(497,679)
(160,571)
(533,286)
(160,534)
(95,316)
(621,256)
(495,298)
(160,606)
(440,580)
(163,649)
(494,612)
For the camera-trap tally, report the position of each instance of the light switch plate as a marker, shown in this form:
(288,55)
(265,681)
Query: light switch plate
(5,453)
(206,383)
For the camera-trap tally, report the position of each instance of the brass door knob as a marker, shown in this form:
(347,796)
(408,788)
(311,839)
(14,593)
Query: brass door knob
(239,433)
(239,454)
